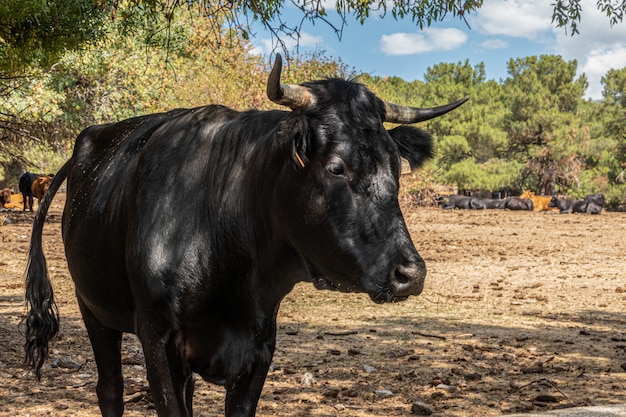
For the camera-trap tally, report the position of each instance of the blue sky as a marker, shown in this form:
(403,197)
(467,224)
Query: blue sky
(500,30)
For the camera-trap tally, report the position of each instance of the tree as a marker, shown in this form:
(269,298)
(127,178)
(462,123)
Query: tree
(613,135)
(544,131)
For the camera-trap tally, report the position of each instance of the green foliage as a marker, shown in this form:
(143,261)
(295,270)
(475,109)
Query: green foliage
(38,31)
(493,175)
(544,130)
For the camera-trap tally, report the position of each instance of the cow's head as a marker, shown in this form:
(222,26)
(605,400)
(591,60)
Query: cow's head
(340,199)
(5,197)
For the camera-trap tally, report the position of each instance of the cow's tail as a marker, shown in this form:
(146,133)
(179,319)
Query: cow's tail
(42,317)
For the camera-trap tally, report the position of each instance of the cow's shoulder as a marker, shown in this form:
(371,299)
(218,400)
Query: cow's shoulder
(132,134)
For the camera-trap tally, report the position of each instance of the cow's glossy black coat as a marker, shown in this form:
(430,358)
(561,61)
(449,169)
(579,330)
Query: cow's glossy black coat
(189,227)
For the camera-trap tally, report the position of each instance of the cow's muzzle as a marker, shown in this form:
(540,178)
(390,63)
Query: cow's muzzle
(406,280)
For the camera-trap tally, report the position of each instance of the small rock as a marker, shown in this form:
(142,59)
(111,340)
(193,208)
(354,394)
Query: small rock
(335,352)
(421,409)
(66,362)
(369,369)
(383,393)
(307,380)
(623,366)
(446,387)
(339,407)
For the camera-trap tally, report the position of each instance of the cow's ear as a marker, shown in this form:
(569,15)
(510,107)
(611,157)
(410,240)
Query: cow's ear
(295,139)
(415,145)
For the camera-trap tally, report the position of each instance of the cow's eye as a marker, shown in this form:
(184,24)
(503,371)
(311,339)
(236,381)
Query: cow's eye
(336,169)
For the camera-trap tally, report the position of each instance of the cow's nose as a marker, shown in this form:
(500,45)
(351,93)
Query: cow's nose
(408,279)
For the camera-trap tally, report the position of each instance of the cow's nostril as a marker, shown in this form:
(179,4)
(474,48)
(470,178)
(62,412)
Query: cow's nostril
(408,279)
(400,278)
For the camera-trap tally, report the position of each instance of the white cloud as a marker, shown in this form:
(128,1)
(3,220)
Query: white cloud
(597,64)
(517,18)
(597,49)
(494,44)
(429,39)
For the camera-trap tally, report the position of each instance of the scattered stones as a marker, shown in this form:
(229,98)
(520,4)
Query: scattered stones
(65,362)
(384,393)
(419,408)
(339,407)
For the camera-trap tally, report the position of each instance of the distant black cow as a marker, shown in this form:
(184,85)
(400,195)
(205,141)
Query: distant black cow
(25,186)
(271,198)
(450,202)
(517,203)
(566,205)
(595,203)
(498,203)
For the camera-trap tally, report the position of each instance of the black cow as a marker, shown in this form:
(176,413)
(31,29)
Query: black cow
(566,206)
(517,203)
(451,202)
(25,186)
(272,198)
(496,203)
(595,203)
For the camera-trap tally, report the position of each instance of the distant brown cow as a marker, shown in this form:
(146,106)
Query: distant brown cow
(40,185)
(15,203)
(5,197)
(540,202)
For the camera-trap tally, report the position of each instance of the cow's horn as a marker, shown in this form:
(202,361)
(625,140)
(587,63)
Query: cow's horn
(294,96)
(405,114)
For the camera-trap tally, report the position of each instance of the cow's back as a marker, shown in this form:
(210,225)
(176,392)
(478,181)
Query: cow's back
(107,194)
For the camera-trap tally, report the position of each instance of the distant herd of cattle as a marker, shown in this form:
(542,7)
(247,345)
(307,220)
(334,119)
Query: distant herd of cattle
(591,204)
(30,186)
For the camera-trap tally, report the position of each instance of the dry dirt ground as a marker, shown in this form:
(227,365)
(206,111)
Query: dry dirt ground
(522,311)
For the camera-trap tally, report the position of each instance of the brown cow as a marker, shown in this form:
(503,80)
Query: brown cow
(5,197)
(40,185)
(540,203)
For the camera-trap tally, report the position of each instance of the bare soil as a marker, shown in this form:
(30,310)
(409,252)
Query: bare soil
(522,311)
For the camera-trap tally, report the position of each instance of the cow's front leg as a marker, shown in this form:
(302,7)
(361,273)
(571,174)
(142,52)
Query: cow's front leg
(242,394)
(169,375)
